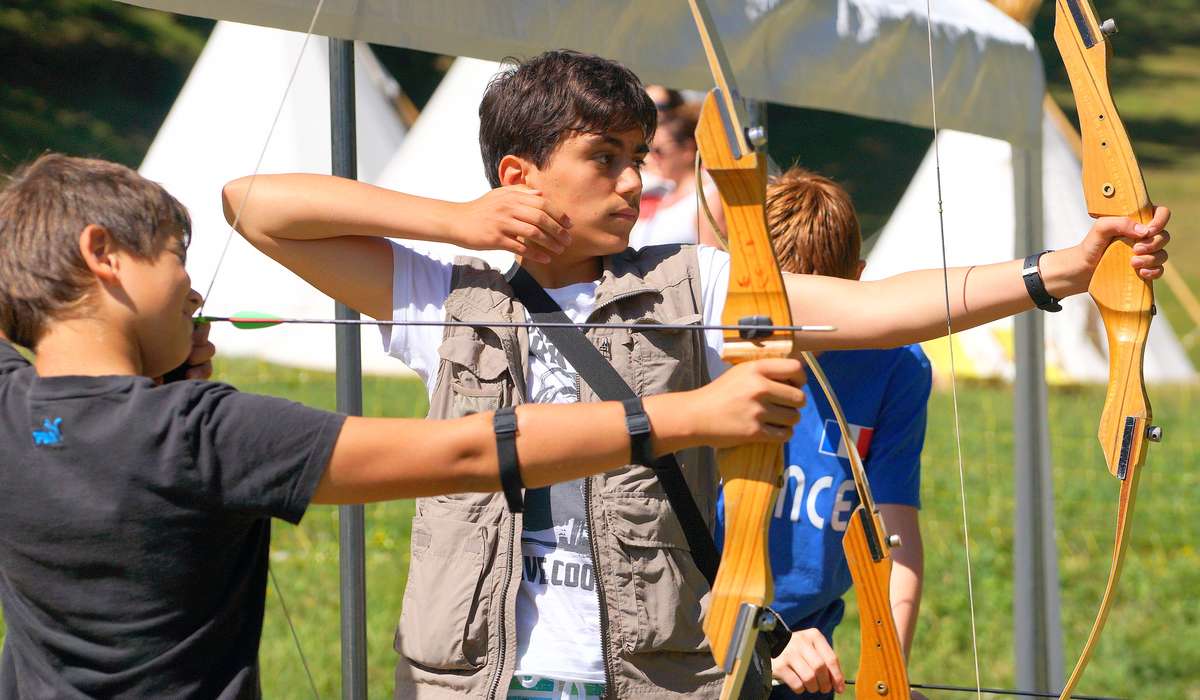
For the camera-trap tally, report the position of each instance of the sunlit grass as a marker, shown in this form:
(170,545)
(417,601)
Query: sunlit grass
(1147,651)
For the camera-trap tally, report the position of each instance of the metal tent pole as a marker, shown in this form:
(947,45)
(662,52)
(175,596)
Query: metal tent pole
(1037,625)
(351,521)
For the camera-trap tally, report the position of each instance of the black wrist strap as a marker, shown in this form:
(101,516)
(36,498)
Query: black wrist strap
(641,451)
(505,424)
(599,374)
(1035,286)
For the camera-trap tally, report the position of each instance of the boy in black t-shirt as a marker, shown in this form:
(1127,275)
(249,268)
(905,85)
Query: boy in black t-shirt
(133,555)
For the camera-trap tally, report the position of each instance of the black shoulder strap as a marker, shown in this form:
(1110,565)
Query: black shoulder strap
(609,386)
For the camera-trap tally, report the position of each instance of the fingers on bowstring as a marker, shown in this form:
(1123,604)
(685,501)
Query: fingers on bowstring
(826,660)
(202,352)
(537,227)
(557,214)
(203,370)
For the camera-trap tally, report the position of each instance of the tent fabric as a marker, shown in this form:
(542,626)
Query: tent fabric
(440,155)
(977,183)
(215,132)
(863,57)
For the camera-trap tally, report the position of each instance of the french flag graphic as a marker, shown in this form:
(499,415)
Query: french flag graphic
(832,443)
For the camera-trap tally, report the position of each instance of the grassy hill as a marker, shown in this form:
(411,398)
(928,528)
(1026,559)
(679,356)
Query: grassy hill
(1141,656)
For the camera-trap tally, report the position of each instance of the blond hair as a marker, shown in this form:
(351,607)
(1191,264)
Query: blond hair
(813,226)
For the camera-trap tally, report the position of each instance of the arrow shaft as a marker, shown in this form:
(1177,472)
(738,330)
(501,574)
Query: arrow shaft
(764,329)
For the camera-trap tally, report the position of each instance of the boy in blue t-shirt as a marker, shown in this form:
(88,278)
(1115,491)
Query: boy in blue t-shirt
(883,393)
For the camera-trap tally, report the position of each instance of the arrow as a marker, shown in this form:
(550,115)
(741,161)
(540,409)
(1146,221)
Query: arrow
(252,320)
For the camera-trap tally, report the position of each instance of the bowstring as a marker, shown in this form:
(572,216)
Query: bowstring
(702,205)
(237,217)
(962,487)
(213,281)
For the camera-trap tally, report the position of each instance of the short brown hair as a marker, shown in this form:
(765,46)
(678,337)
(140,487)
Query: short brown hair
(813,225)
(529,109)
(42,211)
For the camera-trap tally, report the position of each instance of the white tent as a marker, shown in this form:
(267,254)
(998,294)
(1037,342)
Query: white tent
(440,155)
(215,132)
(864,57)
(977,182)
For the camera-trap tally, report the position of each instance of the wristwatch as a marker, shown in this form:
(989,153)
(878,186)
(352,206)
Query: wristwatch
(1035,286)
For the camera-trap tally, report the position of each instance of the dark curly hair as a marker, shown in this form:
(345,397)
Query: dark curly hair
(528,109)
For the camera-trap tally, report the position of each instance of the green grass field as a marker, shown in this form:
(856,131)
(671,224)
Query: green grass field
(1139,657)
(1148,650)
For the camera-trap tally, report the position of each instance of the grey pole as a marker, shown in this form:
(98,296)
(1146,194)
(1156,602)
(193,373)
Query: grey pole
(1037,625)
(351,522)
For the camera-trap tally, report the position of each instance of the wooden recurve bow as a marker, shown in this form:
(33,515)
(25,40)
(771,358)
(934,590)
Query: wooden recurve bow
(751,473)
(882,670)
(1113,186)
(734,156)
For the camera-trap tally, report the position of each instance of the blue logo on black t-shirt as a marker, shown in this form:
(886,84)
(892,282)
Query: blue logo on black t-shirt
(49,434)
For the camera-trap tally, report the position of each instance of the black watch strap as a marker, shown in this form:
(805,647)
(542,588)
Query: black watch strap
(638,424)
(1035,286)
(504,423)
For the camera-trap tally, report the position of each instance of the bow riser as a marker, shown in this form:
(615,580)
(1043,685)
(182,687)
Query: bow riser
(751,475)
(881,669)
(1113,186)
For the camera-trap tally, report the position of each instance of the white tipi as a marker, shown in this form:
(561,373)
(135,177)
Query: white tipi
(216,131)
(440,155)
(977,185)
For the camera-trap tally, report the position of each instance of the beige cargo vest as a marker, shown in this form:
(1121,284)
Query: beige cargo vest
(457,633)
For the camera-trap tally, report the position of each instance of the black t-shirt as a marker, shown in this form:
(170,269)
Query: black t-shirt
(135,528)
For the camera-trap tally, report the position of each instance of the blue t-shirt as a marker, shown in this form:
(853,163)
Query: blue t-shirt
(884,393)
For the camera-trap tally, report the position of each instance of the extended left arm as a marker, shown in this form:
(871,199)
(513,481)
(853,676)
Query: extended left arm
(908,569)
(911,307)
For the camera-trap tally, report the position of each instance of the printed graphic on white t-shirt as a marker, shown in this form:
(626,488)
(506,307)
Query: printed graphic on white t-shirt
(558,612)
(558,609)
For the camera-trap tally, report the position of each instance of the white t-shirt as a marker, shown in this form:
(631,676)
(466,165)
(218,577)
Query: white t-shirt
(674,223)
(558,608)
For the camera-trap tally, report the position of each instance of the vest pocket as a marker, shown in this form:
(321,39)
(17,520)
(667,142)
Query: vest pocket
(477,374)
(443,621)
(666,359)
(659,590)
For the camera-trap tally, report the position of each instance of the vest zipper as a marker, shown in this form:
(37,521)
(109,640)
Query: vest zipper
(508,565)
(609,674)
(620,297)
(519,391)
(609,671)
